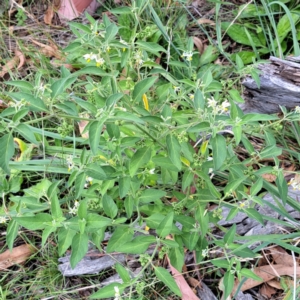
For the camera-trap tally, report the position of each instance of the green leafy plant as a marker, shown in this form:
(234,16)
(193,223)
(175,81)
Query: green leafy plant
(140,133)
(266,27)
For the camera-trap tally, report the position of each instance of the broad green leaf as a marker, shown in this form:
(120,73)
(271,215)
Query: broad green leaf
(65,237)
(34,222)
(96,222)
(236,96)
(176,256)
(129,204)
(258,117)
(59,86)
(187,179)
(190,239)
(46,233)
(219,147)
(187,222)
(56,210)
(282,187)
(284,26)
(174,150)
(238,33)
(111,32)
(36,104)
(139,245)
(220,263)
(108,291)
(124,186)
(270,151)
(228,282)
(163,275)
(80,181)
(113,99)
(21,84)
(256,186)
(254,214)
(123,272)
(119,237)
(234,184)
(7,151)
(151,47)
(140,158)
(20,114)
(79,248)
(26,132)
(230,234)
(202,217)
(95,171)
(165,163)
(142,87)
(203,126)
(151,195)
(95,130)
(82,209)
(81,27)
(165,226)
(93,71)
(109,206)
(249,274)
(11,233)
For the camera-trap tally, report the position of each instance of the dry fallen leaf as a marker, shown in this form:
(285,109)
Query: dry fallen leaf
(17,61)
(198,43)
(269,177)
(267,273)
(186,291)
(267,291)
(49,50)
(49,15)
(280,256)
(206,21)
(81,125)
(16,256)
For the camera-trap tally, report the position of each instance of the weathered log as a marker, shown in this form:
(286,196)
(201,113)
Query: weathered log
(279,86)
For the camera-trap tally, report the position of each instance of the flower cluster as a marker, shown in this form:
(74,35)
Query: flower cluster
(88,182)
(138,58)
(218,108)
(3,220)
(295,184)
(91,56)
(74,209)
(188,55)
(70,162)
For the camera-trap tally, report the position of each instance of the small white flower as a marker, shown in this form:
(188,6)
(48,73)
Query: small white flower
(191,96)
(176,88)
(88,182)
(89,57)
(99,61)
(70,162)
(211,102)
(224,106)
(297,109)
(74,210)
(295,184)
(188,55)
(151,171)
(3,220)
(117,293)
(205,252)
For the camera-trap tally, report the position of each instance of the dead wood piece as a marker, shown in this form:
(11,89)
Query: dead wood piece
(205,293)
(248,227)
(88,265)
(279,86)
